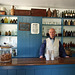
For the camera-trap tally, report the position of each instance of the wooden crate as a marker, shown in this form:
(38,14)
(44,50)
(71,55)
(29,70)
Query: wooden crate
(23,12)
(38,12)
(2,12)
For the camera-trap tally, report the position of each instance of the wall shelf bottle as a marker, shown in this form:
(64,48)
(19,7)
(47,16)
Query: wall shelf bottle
(8,30)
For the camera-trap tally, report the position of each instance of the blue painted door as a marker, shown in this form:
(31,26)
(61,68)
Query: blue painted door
(3,72)
(29,44)
(12,72)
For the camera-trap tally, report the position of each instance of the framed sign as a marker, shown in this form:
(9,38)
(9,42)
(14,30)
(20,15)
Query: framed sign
(24,26)
(34,28)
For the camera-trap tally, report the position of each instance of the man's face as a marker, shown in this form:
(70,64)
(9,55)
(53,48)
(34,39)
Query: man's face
(52,33)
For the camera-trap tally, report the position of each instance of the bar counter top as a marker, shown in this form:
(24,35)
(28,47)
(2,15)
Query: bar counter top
(38,61)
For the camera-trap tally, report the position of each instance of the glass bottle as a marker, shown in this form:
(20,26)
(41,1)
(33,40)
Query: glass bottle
(14,52)
(12,10)
(64,45)
(47,34)
(66,14)
(15,32)
(64,22)
(68,45)
(74,22)
(6,33)
(74,14)
(2,20)
(16,20)
(43,34)
(66,33)
(71,33)
(71,23)
(63,32)
(9,33)
(62,14)
(52,54)
(8,19)
(71,14)
(68,22)
(0,32)
(11,21)
(71,44)
(5,20)
(49,13)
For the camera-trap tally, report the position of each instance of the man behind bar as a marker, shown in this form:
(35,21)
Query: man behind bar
(52,43)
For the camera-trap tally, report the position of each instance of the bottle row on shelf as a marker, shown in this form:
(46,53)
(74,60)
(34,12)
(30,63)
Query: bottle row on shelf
(52,23)
(69,48)
(8,20)
(65,14)
(58,34)
(65,34)
(68,45)
(68,14)
(9,33)
(68,33)
(69,22)
(47,34)
(53,13)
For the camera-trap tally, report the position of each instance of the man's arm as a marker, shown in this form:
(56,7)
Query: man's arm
(62,52)
(42,49)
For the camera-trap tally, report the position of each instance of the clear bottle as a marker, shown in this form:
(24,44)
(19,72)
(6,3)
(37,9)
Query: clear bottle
(16,20)
(8,19)
(47,55)
(52,54)
(15,32)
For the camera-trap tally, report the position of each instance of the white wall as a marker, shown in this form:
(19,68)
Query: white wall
(8,8)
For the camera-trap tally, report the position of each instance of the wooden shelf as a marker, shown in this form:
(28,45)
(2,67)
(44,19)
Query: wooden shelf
(8,23)
(50,25)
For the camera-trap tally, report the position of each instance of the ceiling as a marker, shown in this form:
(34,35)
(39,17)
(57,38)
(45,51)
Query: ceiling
(41,3)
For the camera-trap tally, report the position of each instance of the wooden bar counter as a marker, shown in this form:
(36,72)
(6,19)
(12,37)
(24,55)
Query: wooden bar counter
(38,61)
(37,66)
